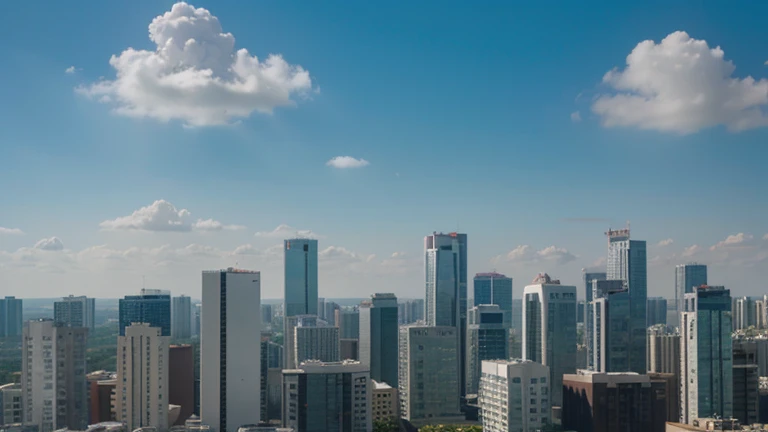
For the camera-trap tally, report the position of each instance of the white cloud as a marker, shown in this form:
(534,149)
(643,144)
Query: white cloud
(50,244)
(525,253)
(559,255)
(164,216)
(665,242)
(398,255)
(11,231)
(196,76)
(70,70)
(681,85)
(285,231)
(733,241)
(691,250)
(765,237)
(576,117)
(341,253)
(343,162)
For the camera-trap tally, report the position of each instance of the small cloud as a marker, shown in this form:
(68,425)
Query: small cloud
(284,231)
(50,244)
(525,253)
(70,70)
(691,251)
(765,237)
(733,241)
(11,231)
(398,255)
(161,215)
(245,249)
(576,117)
(665,242)
(559,255)
(343,162)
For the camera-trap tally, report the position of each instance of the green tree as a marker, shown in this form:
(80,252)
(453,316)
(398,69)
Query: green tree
(388,425)
(451,428)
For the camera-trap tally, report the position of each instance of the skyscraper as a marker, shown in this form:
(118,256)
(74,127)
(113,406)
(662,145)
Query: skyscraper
(549,329)
(300,292)
(314,339)
(182,320)
(75,312)
(230,348)
(589,277)
(446,287)
(745,315)
(663,351)
(141,398)
(329,397)
(54,385)
(487,339)
(514,396)
(494,288)
(746,387)
(429,375)
(348,323)
(687,276)
(627,261)
(657,311)
(151,306)
(378,337)
(610,328)
(10,317)
(706,354)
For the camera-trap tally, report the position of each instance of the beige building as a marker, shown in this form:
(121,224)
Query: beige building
(384,402)
(142,377)
(10,404)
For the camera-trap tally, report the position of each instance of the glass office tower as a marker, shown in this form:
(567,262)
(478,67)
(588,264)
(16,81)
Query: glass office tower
(152,307)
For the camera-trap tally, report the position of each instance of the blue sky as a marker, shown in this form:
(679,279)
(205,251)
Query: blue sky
(492,119)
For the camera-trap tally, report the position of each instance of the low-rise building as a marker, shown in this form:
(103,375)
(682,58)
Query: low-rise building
(385,403)
(514,396)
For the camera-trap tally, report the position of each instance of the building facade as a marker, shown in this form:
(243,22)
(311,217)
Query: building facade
(588,281)
(688,276)
(663,350)
(152,307)
(746,387)
(75,312)
(142,377)
(611,326)
(11,405)
(706,355)
(182,318)
(349,323)
(300,290)
(230,349)
(385,402)
(429,374)
(181,381)
(378,337)
(10,317)
(514,396)
(315,340)
(487,339)
(627,261)
(656,311)
(494,288)
(549,329)
(329,397)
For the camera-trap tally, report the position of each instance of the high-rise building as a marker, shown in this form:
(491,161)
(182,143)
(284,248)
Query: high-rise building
(350,349)
(514,396)
(300,292)
(745,315)
(101,396)
(314,339)
(11,406)
(549,329)
(331,397)
(151,307)
(329,314)
(10,316)
(230,349)
(446,287)
(757,349)
(142,377)
(608,402)
(610,329)
(672,383)
(385,402)
(429,375)
(54,385)
(627,261)
(75,312)
(663,350)
(687,276)
(266,314)
(494,288)
(348,322)
(197,312)
(181,380)
(182,319)
(487,339)
(656,311)
(378,337)
(746,387)
(588,278)
(706,357)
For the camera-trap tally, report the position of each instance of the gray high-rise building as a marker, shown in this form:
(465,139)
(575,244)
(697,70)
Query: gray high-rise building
(663,351)
(314,339)
(10,316)
(549,329)
(611,336)
(446,288)
(151,306)
(627,261)
(746,387)
(494,288)
(378,337)
(588,278)
(687,276)
(266,314)
(300,293)
(487,339)
(706,355)
(657,311)
(182,319)
(429,374)
(53,378)
(410,311)
(75,312)
(349,323)
(745,313)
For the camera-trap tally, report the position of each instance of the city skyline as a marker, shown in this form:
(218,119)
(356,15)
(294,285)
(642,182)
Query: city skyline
(145,188)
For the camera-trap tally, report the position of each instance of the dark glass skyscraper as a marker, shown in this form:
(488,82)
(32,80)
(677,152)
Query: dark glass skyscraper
(151,306)
(10,317)
(487,339)
(300,294)
(688,276)
(494,288)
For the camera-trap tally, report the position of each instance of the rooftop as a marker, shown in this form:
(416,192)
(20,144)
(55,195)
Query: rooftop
(380,385)
(490,275)
(232,270)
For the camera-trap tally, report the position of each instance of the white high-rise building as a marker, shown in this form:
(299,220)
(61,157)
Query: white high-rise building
(314,339)
(514,396)
(53,376)
(230,349)
(181,322)
(141,394)
(549,329)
